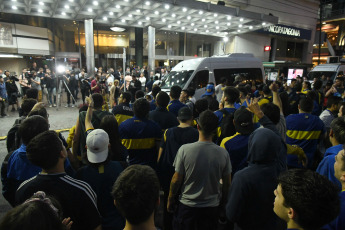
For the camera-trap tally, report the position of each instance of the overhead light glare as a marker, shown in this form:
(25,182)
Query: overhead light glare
(138,10)
(156,12)
(201,12)
(123,20)
(228,24)
(178,22)
(117,29)
(241,19)
(264,23)
(40,10)
(130,15)
(148,18)
(250,27)
(89,9)
(118,6)
(205,26)
(184,9)
(95,3)
(169,26)
(207,31)
(189,17)
(216,22)
(105,18)
(167,7)
(229,17)
(240,25)
(173,15)
(217,27)
(164,20)
(215,15)
(140,23)
(238,30)
(147,3)
(183,28)
(66,6)
(63,13)
(111,13)
(192,24)
(203,19)
(41,3)
(225,39)
(71,0)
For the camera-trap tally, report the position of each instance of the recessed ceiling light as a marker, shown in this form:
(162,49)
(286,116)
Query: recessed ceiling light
(250,27)
(66,6)
(192,24)
(205,26)
(183,28)
(148,18)
(189,17)
(207,31)
(138,10)
(14,0)
(200,12)
(156,12)
(89,9)
(264,23)
(178,22)
(117,29)
(169,26)
(217,27)
(238,30)
(173,15)
(195,29)
(228,24)
(147,3)
(111,13)
(225,39)
(229,17)
(41,3)
(164,20)
(14,7)
(95,3)
(70,0)
(184,9)
(63,13)
(140,23)
(215,15)
(167,6)
(203,19)
(126,0)
(241,19)
(130,15)
(216,22)
(123,20)
(218,32)
(105,18)
(240,25)
(40,10)
(118,6)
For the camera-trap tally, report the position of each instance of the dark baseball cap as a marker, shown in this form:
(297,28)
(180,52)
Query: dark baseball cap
(243,121)
(185,113)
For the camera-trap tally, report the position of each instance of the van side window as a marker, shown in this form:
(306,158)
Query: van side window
(200,79)
(247,74)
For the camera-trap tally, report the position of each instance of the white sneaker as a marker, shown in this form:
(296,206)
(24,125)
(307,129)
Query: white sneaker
(50,106)
(67,106)
(54,105)
(72,106)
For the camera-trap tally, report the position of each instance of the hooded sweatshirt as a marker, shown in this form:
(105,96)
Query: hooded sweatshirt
(250,200)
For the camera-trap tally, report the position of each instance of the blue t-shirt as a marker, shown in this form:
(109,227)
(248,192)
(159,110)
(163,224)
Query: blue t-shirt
(304,130)
(339,222)
(174,106)
(139,136)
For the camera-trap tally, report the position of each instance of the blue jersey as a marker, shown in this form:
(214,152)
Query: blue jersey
(139,136)
(304,130)
(174,106)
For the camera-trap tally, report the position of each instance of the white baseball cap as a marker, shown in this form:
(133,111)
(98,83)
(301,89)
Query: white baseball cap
(97,146)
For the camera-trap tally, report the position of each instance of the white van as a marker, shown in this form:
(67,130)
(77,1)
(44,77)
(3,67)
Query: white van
(329,70)
(198,72)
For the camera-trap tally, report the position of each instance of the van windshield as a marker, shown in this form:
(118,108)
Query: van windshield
(318,74)
(179,78)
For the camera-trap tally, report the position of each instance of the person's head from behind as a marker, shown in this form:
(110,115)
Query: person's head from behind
(40,112)
(139,94)
(272,111)
(31,127)
(334,103)
(207,123)
(32,93)
(305,105)
(175,92)
(306,85)
(338,130)
(141,108)
(243,92)
(185,114)
(155,90)
(110,126)
(46,150)
(200,106)
(266,90)
(27,105)
(37,213)
(318,84)
(230,95)
(306,198)
(125,97)
(97,100)
(243,121)
(162,99)
(136,193)
(97,144)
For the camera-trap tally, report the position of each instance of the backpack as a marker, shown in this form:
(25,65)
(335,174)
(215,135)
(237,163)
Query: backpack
(13,139)
(227,126)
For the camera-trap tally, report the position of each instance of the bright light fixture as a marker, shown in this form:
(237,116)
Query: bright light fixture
(215,15)
(111,13)
(228,24)
(250,27)
(200,12)
(192,24)
(264,23)
(89,9)
(189,17)
(183,28)
(117,29)
(118,6)
(178,22)
(41,3)
(147,3)
(241,19)
(225,39)
(140,23)
(184,9)
(123,20)
(173,15)
(167,6)
(207,31)
(229,17)
(216,22)
(105,18)
(205,26)
(169,26)
(95,3)
(130,15)
(203,19)
(66,6)
(164,20)
(195,29)
(138,10)
(40,10)
(240,25)
(238,30)
(63,13)
(217,27)
(156,12)
(148,18)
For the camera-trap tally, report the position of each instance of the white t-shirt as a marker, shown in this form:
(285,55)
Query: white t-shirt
(143,81)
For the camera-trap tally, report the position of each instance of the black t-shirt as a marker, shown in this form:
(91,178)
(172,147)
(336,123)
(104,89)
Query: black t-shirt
(76,198)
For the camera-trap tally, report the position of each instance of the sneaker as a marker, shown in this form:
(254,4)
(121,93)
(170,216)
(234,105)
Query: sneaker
(72,106)
(50,106)
(54,105)
(67,105)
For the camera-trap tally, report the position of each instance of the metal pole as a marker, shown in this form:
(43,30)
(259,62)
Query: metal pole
(320,23)
(89,48)
(124,68)
(80,62)
(151,48)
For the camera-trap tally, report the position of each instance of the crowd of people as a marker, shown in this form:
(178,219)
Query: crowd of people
(247,155)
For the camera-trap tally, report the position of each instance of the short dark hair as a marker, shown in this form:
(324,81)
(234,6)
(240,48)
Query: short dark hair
(141,108)
(136,193)
(312,95)
(139,94)
(175,92)
(201,105)
(44,150)
(338,127)
(41,112)
(191,91)
(306,104)
(318,84)
(32,93)
(34,215)
(333,100)
(312,196)
(272,111)
(308,84)
(97,100)
(208,123)
(340,78)
(162,99)
(127,96)
(27,105)
(155,91)
(186,91)
(232,94)
(31,127)
(243,90)
(266,90)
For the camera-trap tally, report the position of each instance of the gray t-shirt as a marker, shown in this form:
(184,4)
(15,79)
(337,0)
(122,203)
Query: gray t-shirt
(203,164)
(36,86)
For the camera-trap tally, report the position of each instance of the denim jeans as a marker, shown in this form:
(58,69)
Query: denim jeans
(51,94)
